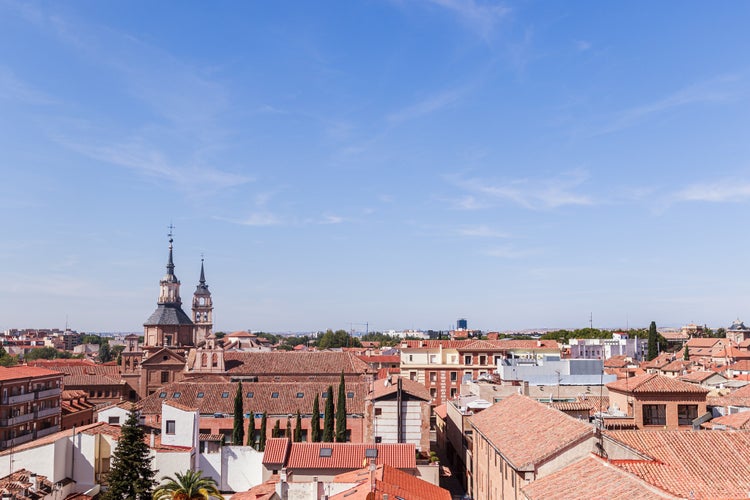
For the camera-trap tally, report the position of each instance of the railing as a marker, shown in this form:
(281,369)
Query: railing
(19,419)
(21,398)
(17,440)
(48,392)
(47,412)
(47,431)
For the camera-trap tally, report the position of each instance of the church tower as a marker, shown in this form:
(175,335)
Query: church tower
(202,310)
(168,325)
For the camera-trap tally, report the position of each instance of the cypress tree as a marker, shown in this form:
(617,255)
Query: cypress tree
(276,432)
(341,412)
(288,433)
(328,417)
(262,438)
(686,354)
(238,432)
(251,431)
(652,342)
(315,421)
(130,475)
(298,428)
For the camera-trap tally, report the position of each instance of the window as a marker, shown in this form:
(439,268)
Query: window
(274,395)
(326,452)
(162,395)
(371,453)
(170,427)
(199,395)
(378,411)
(350,395)
(433,393)
(453,392)
(482,360)
(411,358)
(654,414)
(300,395)
(113,420)
(686,414)
(164,377)
(325,395)
(224,395)
(433,377)
(378,439)
(467,359)
(250,394)
(413,375)
(454,376)
(177,395)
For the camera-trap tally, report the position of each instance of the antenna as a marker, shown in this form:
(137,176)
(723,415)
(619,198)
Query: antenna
(591,321)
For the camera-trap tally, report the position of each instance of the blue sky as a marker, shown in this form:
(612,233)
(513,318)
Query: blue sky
(401,163)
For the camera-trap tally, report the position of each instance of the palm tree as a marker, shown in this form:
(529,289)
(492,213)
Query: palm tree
(188,486)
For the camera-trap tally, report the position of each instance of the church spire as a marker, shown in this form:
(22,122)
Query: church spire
(169,289)
(203,275)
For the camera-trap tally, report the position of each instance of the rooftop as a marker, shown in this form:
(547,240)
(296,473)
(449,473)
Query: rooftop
(651,383)
(337,455)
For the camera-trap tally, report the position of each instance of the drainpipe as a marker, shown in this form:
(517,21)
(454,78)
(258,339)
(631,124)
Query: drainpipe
(399,413)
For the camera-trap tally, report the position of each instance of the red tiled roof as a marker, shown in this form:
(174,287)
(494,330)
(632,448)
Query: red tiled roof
(527,432)
(571,405)
(307,363)
(263,491)
(741,365)
(600,480)
(388,481)
(703,342)
(286,402)
(85,374)
(677,365)
(381,359)
(276,450)
(740,397)
(737,421)
(617,362)
(690,464)
(381,389)
(349,455)
(652,382)
(23,371)
(441,411)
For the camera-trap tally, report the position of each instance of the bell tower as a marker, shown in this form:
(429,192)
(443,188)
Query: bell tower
(202,310)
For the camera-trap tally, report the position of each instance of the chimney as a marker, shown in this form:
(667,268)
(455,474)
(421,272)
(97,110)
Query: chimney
(34,482)
(282,487)
(153,439)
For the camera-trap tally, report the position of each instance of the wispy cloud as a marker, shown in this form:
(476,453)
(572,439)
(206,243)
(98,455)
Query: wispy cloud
(426,106)
(533,194)
(331,219)
(508,252)
(13,88)
(482,231)
(258,219)
(723,191)
(145,160)
(718,89)
(583,45)
(480,17)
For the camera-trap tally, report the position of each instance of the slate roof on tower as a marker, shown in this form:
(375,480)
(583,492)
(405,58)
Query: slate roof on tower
(168,314)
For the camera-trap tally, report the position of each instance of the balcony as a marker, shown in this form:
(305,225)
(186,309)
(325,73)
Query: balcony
(20,398)
(19,419)
(48,412)
(48,393)
(17,440)
(49,430)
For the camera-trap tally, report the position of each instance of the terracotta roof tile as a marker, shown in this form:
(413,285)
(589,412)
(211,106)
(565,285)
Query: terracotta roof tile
(528,432)
(602,480)
(736,421)
(292,363)
(381,389)
(441,411)
(690,464)
(388,481)
(349,455)
(23,371)
(263,491)
(703,342)
(276,450)
(208,397)
(653,383)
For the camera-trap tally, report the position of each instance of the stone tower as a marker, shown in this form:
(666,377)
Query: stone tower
(202,310)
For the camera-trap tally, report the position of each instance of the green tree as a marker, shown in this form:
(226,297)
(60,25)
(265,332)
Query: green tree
(288,432)
(262,437)
(251,431)
(238,431)
(328,417)
(341,412)
(6,359)
(721,333)
(686,354)
(130,475)
(652,342)
(105,354)
(276,431)
(315,421)
(298,428)
(41,353)
(188,486)
(339,338)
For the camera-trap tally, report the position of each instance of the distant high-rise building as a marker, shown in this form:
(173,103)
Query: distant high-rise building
(462,324)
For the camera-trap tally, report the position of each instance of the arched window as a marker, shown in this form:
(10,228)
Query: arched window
(204,359)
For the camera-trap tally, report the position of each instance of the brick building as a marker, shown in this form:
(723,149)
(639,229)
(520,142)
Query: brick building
(29,404)
(655,401)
